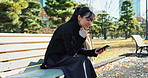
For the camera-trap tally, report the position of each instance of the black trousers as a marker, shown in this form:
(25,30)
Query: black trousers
(78,66)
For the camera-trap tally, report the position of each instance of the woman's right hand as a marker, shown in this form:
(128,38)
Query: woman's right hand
(82,32)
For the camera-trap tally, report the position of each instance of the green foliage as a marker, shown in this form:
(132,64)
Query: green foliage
(20,16)
(31,17)
(22,3)
(10,27)
(34,5)
(33,28)
(59,10)
(5,6)
(13,6)
(8,17)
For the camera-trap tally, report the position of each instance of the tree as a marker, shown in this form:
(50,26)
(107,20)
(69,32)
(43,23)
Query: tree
(104,23)
(9,16)
(31,17)
(126,18)
(59,10)
(20,16)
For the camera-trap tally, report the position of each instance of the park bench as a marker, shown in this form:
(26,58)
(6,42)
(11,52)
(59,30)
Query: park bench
(140,45)
(22,54)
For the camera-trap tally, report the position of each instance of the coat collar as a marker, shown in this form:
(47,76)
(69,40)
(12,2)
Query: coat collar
(76,25)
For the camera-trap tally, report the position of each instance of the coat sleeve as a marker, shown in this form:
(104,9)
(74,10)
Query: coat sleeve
(87,52)
(73,45)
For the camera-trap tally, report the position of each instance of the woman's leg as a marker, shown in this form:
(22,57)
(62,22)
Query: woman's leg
(77,67)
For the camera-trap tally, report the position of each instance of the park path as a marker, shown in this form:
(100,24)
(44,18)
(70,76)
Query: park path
(133,66)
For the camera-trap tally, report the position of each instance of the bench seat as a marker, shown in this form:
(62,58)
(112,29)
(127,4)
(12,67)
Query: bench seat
(36,72)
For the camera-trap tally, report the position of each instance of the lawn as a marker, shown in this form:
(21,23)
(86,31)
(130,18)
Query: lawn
(118,47)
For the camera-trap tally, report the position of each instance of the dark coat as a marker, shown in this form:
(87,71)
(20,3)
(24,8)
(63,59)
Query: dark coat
(64,45)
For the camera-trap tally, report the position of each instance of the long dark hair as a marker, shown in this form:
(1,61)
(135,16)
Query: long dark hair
(82,11)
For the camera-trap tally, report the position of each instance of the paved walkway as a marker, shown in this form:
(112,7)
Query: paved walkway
(135,66)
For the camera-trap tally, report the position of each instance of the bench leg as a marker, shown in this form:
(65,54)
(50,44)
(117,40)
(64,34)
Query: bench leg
(137,49)
(147,49)
(141,48)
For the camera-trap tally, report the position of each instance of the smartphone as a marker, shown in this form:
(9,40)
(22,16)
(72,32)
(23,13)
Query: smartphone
(103,48)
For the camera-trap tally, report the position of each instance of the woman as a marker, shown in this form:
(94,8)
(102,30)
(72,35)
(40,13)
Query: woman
(66,49)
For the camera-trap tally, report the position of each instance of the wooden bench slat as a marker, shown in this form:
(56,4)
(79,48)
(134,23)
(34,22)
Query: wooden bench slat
(23,35)
(19,63)
(5,48)
(11,43)
(23,54)
(23,39)
(4,74)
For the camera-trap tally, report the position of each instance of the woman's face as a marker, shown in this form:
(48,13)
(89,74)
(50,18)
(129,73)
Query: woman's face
(85,21)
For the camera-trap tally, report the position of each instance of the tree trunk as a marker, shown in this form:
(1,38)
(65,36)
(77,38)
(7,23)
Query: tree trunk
(105,37)
(126,31)
(22,29)
(111,36)
(126,34)
(129,34)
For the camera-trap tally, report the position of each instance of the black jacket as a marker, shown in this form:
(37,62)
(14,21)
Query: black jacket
(67,41)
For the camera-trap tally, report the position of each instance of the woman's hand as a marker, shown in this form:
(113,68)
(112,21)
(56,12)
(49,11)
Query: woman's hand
(100,51)
(82,32)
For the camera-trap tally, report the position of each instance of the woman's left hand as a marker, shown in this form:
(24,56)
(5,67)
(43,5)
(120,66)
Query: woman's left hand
(100,51)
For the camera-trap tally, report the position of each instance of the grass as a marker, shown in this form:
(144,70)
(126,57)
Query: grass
(118,47)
